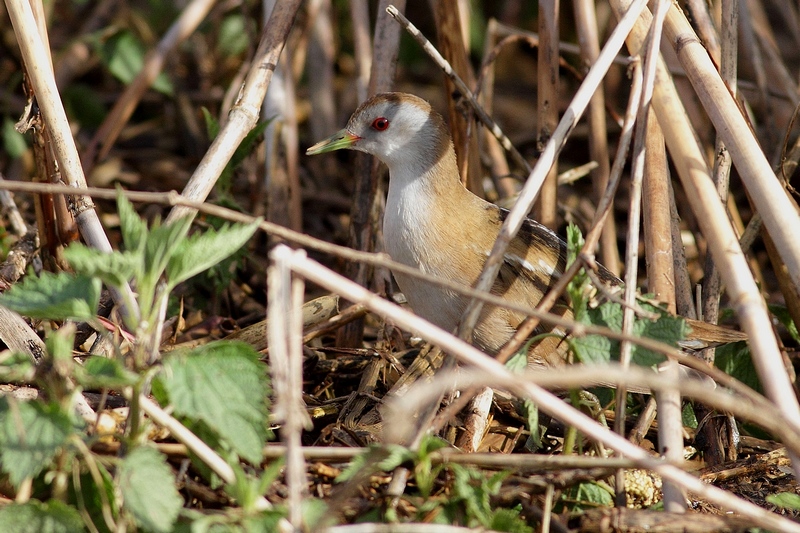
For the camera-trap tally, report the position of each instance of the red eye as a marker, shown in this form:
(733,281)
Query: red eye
(380,123)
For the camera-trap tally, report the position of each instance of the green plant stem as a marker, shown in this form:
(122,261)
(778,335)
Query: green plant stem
(134,416)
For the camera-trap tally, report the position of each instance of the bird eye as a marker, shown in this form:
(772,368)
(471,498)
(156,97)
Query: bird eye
(380,123)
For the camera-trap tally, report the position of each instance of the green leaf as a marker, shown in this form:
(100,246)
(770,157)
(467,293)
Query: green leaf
(233,35)
(13,141)
(114,268)
(518,362)
(85,105)
(200,252)
(784,500)
(735,360)
(162,244)
(587,496)
(133,228)
(123,54)
(385,457)
(781,312)
(688,417)
(240,154)
(531,411)
(598,349)
(59,345)
(34,516)
(474,489)
(31,433)
(104,372)
(97,498)
(54,296)
(510,521)
(148,490)
(224,385)
(212,124)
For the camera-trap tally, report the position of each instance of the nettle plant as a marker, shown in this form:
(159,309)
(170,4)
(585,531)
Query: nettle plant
(219,391)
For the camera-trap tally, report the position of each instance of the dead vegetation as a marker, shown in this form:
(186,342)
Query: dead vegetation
(720,125)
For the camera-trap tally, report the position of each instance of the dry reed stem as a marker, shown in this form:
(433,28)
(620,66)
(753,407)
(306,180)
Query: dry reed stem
(657,219)
(365,224)
(504,183)
(705,28)
(362,46)
(589,40)
(492,370)
(586,254)
(571,116)
(106,135)
(445,455)
(285,332)
(319,69)
(381,260)
(281,144)
(451,43)
(780,217)
(584,376)
(632,263)
(727,61)
(245,113)
(40,73)
(546,208)
(11,212)
(431,50)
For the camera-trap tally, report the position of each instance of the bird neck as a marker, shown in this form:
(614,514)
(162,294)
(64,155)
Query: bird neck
(417,189)
(424,212)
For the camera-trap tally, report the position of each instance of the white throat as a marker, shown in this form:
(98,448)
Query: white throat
(407,217)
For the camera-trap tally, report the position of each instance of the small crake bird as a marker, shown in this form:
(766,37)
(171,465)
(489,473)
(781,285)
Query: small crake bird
(432,222)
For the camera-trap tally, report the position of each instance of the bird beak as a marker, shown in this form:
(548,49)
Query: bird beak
(339,140)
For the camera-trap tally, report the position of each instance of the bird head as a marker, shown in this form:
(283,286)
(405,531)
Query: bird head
(400,129)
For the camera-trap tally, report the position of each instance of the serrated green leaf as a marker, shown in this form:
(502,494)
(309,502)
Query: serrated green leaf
(667,328)
(428,445)
(133,228)
(212,124)
(34,516)
(200,252)
(114,269)
(123,54)
(225,385)
(784,500)
(148,490)
(574,243)
(104,372)
(244,149)
(163,243)
(54,296)
(589,492)
(597,349)
(13,141)
(510,521)
(59,346)
(518,362)
(592,348)
(31,433)
(688,418)
(736,360)
(534,441)
(16,366)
